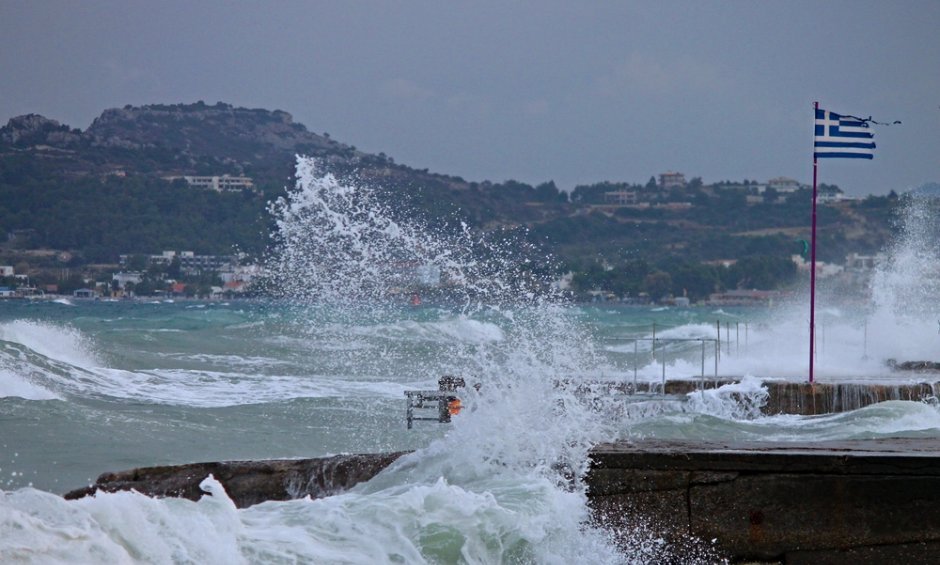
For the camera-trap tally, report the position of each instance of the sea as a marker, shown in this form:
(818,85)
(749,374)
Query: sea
(321,366)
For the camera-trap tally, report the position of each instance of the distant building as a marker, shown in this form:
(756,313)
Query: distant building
(127,277)
(620,197)
(783,184)
(84,293)
(6,271)
(190,263)
(222,183)
(671,179)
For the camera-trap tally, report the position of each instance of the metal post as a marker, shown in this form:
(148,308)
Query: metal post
(654,339)
(737,338)
(812,269)
(636,390)
(718,350)
(664,370)
(703,366)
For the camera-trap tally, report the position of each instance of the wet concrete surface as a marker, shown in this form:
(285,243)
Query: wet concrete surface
(825,502)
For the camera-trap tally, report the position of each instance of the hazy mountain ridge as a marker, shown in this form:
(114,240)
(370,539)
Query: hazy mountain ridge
(120,164)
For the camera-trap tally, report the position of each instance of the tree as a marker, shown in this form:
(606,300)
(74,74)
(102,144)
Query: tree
(658,284)
(548,192)
(696,280)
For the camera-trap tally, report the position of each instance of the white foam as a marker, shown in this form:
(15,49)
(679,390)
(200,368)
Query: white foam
(201,388)
(437,522)
(736,401)
(457,329)
(15,385)
(61,343)
(123,527)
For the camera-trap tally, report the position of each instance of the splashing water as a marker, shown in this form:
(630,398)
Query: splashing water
(857,337)
(524,438)
(905,287)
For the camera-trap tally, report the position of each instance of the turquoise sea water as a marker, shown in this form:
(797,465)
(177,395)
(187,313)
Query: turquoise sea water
(89,387)
(95,386)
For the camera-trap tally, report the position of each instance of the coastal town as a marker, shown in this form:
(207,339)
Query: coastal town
(164,275)
(35,271)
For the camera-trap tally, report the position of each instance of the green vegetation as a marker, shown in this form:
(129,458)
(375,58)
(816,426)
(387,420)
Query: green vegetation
(100,219)
(104,192)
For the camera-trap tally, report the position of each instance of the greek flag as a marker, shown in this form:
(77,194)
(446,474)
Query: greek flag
(844,137)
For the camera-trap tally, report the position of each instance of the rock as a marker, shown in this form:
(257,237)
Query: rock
(33,129)
(248,482)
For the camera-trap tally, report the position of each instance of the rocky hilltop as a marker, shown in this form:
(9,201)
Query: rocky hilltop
(180,139)
(172,139)
(33,129)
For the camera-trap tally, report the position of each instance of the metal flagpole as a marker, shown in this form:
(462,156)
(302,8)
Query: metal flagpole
(812,275)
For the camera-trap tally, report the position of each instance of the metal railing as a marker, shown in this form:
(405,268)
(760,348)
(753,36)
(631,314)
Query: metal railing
(715,345)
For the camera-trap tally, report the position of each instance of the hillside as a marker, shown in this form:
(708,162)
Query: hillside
(117,188)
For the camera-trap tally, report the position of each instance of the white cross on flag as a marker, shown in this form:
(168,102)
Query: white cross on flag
(840,136)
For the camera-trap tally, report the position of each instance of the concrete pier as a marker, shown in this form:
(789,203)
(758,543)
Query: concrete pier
(865,501)
(789,397)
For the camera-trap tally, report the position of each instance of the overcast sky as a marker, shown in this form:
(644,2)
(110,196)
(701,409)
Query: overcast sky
(571,91)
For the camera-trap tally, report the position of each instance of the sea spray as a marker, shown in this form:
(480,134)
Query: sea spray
(905,314)
(895,317)
(521,444)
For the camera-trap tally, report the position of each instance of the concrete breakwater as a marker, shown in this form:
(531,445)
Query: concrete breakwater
(788,397)
(248,482)
(823,502)
(867,501)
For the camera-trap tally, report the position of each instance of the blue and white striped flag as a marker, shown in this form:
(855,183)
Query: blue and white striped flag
(840,136)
